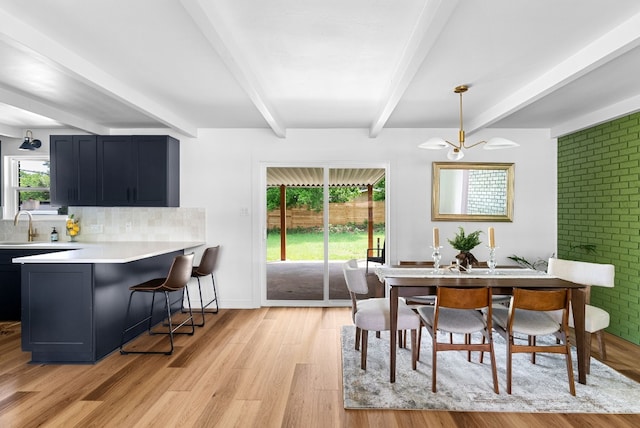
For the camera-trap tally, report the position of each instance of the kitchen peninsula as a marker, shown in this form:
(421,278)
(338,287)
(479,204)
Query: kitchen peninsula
(74,302)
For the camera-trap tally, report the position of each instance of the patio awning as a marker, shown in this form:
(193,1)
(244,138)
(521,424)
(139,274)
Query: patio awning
(313,177)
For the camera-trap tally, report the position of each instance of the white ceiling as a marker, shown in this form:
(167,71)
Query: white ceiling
(100,66)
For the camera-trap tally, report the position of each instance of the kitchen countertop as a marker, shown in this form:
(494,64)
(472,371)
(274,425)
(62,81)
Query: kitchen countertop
(99,252)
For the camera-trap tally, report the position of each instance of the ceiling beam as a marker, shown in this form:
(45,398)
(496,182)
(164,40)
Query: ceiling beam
(614,43)
(611,112)
(42,109)
(21,34)
(432,20)
(10,131)
(216,31)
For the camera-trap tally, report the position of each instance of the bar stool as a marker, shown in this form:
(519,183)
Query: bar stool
(176,280)
(207,266)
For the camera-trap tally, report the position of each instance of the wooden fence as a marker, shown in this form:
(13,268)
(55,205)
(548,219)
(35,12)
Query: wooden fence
(343,213)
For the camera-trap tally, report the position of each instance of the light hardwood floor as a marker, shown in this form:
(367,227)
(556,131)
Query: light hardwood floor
(268,367)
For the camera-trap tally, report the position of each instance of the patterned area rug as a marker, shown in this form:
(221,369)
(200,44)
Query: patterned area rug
(468,386)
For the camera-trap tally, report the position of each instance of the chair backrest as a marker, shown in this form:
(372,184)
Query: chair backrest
(463,298)
(208,261)
(585,273)
(355,277)
(540,300)
(180,272)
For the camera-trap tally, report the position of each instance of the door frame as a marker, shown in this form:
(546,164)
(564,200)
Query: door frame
(261,208)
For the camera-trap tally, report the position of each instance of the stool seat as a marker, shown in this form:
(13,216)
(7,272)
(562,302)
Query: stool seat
(176,280)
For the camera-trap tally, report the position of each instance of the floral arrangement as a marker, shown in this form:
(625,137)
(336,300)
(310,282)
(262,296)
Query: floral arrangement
(464,244)
(73,227)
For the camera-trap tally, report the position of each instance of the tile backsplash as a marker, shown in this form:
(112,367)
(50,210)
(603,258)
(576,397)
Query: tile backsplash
(100,224)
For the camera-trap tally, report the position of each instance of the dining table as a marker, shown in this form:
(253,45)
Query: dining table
(408,281)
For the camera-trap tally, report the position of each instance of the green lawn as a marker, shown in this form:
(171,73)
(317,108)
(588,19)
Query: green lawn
(310,246)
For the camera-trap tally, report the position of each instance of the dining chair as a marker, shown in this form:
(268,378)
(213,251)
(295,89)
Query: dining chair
(459,310)
(206,268)
(590,274)
(373,314)
(176,281)
(376,255)
(528,315)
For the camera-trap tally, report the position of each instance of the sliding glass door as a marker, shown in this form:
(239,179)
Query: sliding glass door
(318,218)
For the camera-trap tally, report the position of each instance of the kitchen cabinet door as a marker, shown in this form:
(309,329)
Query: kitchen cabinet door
(157,175)
(73,169)
(115,166)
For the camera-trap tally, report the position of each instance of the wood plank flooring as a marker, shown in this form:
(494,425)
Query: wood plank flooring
(268,367)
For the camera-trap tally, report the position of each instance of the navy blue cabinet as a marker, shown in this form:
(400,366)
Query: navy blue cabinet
(73,169)
(75,313)
(115,170)
(10,301)
(138,170)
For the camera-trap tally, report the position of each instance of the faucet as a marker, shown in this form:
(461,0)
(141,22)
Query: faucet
(31,232)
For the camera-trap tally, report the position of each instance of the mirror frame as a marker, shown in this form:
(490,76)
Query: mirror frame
(435,191)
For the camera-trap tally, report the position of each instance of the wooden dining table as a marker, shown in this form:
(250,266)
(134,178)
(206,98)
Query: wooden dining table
(415,281)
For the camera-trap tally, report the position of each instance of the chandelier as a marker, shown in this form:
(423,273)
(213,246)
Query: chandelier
(455,150)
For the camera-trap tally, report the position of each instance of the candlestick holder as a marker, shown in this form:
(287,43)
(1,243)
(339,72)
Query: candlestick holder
(491,262)
(436,259)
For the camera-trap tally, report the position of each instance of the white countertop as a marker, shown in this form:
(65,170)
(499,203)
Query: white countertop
(102,252)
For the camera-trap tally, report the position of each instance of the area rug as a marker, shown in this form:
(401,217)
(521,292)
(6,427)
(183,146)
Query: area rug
(468,386)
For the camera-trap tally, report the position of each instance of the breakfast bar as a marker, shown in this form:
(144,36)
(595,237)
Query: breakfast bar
(74,302)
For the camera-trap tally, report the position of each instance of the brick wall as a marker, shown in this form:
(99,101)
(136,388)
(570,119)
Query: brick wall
(487,192)
(599,204)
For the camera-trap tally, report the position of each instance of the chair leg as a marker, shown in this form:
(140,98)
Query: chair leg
(414,349)
(168,306)
(467,341)
(588,337)
(149,325)
(572,386)
(363,353)
(358,335)
(434,361)
(509,355)
(419,341)
(201,302)
(603,350)
(215,294)
(532,342)
(487,336)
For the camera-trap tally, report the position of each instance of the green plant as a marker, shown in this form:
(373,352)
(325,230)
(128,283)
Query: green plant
(465,243)
(539,264)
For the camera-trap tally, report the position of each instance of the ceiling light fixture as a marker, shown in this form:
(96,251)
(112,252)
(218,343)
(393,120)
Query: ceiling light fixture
(29,143)
(455,150)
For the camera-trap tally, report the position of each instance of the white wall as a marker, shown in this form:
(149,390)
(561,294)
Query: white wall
(222,172)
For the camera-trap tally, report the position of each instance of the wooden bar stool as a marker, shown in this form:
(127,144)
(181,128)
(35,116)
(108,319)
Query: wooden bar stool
(205,268)
(176,280)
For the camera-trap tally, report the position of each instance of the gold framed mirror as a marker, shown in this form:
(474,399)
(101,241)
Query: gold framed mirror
(472,191)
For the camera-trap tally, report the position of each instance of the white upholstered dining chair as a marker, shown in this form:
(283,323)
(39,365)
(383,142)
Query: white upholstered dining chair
(373,314)
(602,275)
